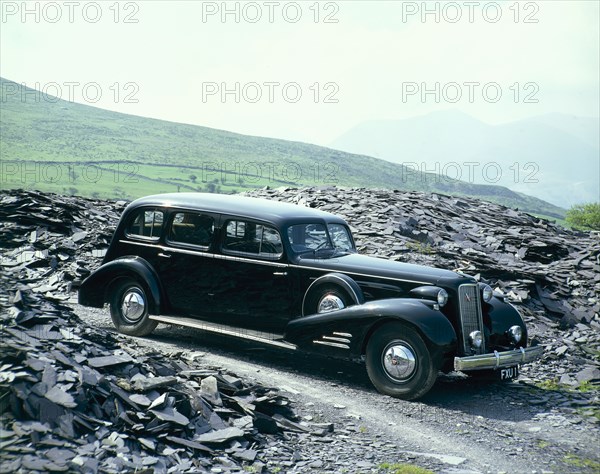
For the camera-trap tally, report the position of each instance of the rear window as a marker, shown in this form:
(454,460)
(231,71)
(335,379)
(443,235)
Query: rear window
(192,229)
(146,224)
(252,239)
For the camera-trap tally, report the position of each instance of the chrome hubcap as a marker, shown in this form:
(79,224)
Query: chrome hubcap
(133,306)
(399,361)
(330,303)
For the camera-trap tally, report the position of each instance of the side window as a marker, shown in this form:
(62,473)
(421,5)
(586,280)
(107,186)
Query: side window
(271,242)
(146,224)
(193,229)
(341,238)
(304,237)
(236,229)
(249,238)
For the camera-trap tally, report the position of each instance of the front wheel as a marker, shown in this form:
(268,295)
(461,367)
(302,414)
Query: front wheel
(129,309)
(398,362)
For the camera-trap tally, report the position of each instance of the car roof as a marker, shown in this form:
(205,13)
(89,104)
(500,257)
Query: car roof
(255,208)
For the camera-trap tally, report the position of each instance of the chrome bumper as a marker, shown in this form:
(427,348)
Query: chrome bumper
(497,359)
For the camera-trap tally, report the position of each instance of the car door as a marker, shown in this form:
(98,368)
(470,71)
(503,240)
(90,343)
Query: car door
(187,260)
(252,285)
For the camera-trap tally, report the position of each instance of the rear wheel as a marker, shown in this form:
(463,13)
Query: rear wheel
(398,362)
(129,308)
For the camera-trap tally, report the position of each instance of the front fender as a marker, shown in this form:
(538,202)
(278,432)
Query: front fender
(501,317)
(345,333)
(93,290)
(338,279)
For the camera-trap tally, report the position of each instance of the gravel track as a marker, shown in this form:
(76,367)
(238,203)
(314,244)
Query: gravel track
(460,426)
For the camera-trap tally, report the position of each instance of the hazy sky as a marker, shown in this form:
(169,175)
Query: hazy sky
(307,70)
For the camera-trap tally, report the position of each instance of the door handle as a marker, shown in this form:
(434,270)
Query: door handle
(280,274)
(164,255)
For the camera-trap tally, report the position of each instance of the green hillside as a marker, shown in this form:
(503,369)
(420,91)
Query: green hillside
(55,145)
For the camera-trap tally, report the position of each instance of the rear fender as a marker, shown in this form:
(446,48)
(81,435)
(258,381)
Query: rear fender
(94,289)
(345,333)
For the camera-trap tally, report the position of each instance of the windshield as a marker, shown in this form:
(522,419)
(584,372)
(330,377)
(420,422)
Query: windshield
(312,237)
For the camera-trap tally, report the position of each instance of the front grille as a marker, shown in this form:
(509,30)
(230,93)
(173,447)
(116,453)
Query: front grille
(470,316)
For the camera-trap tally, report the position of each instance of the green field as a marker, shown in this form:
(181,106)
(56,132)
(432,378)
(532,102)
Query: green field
(64,147)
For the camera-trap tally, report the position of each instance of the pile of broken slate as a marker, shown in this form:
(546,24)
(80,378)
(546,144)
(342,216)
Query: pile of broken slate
(78,398)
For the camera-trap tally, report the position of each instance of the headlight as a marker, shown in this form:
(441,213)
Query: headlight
(515,333)
(487,293)
(476,339)
(442,297)
(431,293)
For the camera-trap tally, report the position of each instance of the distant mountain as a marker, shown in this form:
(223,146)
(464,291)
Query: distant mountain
(584,128)
(65,147)
(554,157)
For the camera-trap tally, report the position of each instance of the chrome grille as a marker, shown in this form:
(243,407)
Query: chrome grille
(470,316)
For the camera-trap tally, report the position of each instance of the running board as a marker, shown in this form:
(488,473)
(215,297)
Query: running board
(243,333)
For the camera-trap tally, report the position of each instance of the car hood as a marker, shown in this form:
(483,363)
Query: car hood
(383,268)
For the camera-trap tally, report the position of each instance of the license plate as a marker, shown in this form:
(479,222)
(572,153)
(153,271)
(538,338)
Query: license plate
(509,373)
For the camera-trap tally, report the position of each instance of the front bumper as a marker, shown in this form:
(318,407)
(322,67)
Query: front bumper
(497,359)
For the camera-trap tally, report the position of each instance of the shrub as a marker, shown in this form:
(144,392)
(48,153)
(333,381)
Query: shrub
(585,216)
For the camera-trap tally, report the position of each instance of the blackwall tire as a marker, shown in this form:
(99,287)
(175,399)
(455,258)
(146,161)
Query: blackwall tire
(129,308)
(398,362)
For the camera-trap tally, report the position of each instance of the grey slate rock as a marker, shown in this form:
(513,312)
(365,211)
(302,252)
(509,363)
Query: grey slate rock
(588,374)
(220,436)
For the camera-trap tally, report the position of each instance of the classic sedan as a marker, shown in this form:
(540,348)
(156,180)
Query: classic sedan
(290,276)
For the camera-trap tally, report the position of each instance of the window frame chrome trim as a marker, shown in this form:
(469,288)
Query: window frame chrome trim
(216,256)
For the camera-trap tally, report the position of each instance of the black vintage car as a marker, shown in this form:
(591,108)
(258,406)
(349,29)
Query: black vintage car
(290,276)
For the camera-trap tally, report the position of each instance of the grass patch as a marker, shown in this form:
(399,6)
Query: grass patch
(398,468)
(589,411)
(578,461)
(550,384)
(554,385)
(421,248)
(586,386)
